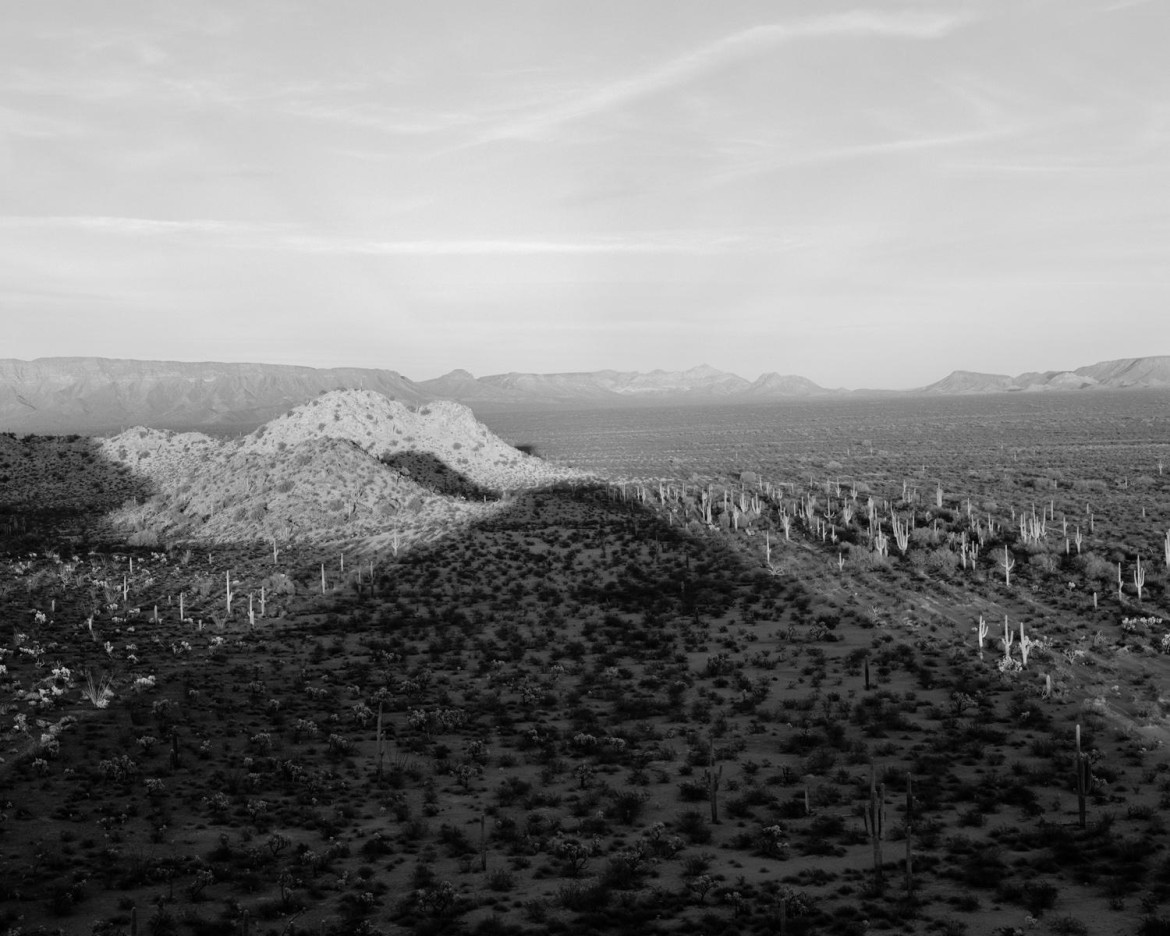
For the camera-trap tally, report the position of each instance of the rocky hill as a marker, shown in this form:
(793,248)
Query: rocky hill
(348,465)
(962,382)
(776,386)
(1144,372)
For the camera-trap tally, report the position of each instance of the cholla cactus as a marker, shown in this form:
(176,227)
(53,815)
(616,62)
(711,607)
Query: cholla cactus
(574,853)
(774,842)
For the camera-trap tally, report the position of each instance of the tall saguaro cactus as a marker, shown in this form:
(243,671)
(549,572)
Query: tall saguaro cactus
(712,775)
(380,738)
(875,820)
(1084,779)
(909,833)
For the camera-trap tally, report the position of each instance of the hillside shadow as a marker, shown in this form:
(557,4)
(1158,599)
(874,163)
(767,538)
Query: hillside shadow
(54,490)
(627,558)
(435,474)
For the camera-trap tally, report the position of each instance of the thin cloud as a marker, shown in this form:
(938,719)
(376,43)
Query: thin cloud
(749,42)
(20,123)
(387,120)
(129,226)
(283,237)
(663,244)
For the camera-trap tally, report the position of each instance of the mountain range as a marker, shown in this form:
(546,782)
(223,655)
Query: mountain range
(98,396)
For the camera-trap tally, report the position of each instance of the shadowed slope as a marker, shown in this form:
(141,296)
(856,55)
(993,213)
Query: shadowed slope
(52,486)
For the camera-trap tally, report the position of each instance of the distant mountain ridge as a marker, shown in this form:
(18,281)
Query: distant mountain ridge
(1146,373)
(89,395)
(702,381)
(101,396)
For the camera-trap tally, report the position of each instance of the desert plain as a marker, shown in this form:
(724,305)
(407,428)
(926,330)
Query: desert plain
(830,666)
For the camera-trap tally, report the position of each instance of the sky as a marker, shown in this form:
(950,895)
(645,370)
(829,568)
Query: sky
(867,194)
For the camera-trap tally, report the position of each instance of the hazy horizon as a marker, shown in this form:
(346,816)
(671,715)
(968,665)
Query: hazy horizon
(868,195)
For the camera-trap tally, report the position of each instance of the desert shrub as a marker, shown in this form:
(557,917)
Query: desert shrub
(692,825)
(583,898)
(501,879)
(147,538)
(1043,562)
(694,865)
(1068,926)
(985,868)
(692,790)
(942,561)
(627,805)
(1039,896)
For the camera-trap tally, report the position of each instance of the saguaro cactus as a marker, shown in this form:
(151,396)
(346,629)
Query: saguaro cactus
(875,820)
(909,833)
(483,843)
(901,533)
(1026,644)
(1084,779)
(380,739)
(712,776)
(1008,563)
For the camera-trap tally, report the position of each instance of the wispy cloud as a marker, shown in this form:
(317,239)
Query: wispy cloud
(291,238)
(396,121)
(698,62)
(779,161)
(673,243)
(130,226)
(16,122)
(1123,5)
